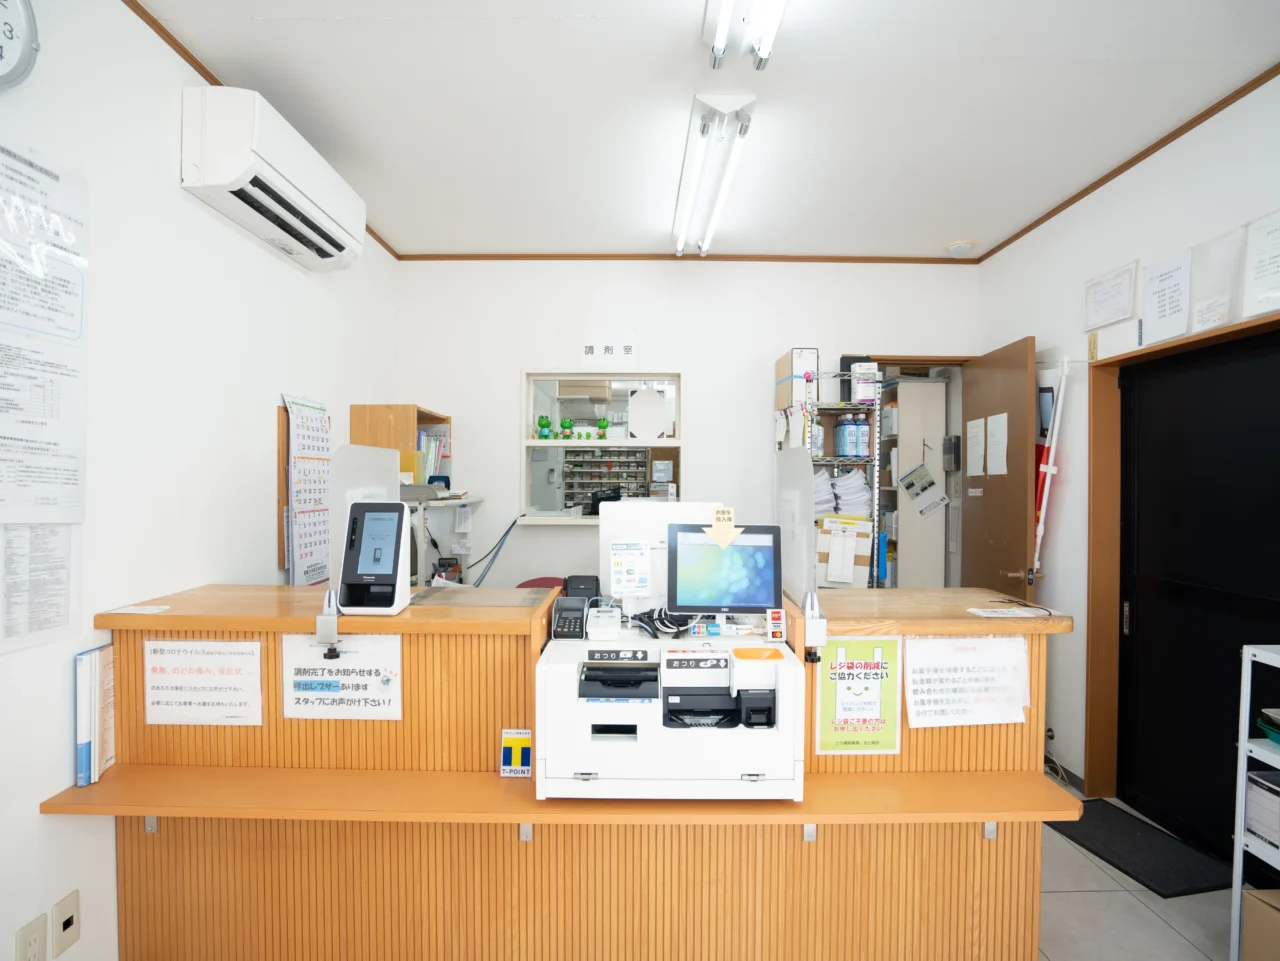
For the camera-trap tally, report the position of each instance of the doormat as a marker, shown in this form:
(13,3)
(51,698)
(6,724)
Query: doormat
(1156,860)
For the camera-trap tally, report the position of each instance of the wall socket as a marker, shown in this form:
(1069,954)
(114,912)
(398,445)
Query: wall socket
(29,943)
(66,923)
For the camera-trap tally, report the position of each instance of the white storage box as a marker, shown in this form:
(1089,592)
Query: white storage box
(1262,807)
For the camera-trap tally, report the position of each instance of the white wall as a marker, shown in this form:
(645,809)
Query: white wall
(192,333)
(720,325)
(1209,182)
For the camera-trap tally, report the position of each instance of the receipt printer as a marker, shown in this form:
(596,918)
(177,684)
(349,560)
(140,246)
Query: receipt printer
(692,718)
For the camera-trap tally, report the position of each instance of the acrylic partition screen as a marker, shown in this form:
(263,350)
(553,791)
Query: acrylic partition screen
(795,517)
(644,524)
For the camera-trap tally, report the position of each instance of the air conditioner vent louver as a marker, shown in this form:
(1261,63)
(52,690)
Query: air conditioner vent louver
(266,188)
(266,213)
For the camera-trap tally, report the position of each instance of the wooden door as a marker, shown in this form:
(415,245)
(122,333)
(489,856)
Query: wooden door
(997,529)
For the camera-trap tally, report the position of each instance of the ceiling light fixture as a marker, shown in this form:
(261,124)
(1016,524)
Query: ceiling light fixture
(717,126)
(960,248)
(741,26)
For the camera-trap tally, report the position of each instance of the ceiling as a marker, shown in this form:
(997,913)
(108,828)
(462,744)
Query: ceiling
(882,127)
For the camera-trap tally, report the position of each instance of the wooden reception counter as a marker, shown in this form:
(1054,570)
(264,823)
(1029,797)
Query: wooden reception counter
(305,839)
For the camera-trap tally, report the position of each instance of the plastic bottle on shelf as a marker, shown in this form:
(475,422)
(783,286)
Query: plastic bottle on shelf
(862,436)
(816,440)
(845,440)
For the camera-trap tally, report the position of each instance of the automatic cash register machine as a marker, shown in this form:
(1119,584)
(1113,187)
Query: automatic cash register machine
(715,710)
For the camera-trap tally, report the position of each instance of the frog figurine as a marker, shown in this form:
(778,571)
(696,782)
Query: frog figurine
(544,427)
(566,428)
(602,428)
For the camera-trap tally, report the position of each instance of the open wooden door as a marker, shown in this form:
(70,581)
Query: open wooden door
(997,546)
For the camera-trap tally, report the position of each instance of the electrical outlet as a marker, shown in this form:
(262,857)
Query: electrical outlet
(29,944)
(66,923)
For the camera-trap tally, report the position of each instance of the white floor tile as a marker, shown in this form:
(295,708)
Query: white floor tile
(1203,919)
(1107,926)
(1066,868)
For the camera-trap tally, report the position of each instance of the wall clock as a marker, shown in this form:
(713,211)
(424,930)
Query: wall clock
(19,42)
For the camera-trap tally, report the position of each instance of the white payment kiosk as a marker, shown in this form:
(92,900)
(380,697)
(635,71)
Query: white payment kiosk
(375,559)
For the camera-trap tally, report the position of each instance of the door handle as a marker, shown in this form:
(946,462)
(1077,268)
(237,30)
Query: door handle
(1017,574)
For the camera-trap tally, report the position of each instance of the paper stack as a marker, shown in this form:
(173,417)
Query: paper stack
(852,494)
(824,497)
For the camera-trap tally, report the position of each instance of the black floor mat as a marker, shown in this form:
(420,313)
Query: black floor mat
(1154,859)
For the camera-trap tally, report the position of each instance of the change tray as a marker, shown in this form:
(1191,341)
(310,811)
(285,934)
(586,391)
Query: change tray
(1271,730)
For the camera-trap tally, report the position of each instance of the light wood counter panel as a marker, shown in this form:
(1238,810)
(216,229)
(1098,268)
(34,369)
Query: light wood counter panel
(228,607)
(920,610)
(461,798)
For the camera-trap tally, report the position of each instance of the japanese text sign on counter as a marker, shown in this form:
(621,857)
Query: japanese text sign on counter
(953,681)
(203,682)
(362,683)
(859,708)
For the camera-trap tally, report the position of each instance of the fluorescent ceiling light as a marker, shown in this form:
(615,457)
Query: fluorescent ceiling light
(736,27)
(717,126)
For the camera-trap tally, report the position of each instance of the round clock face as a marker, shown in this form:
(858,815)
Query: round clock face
(18,43)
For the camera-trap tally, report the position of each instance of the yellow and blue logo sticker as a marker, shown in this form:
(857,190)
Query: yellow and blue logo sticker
(517,752)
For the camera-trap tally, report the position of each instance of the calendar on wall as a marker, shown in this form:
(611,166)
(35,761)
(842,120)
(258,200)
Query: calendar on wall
(309,450)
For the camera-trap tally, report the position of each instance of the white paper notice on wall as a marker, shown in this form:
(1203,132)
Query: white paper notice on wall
(309,455)
(42,430)
(955,681)
(1262,266)
(462,519)
(362,684)
(1109,299)
(998,444)
(42,245)
(1166,298)
(842,548)
(203,682)
(37,579)
(975,433)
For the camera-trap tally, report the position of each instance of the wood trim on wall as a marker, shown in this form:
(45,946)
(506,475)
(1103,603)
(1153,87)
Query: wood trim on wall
(752,258)
(1239,93)
(1102,638)
(1212,111)
(1102,634)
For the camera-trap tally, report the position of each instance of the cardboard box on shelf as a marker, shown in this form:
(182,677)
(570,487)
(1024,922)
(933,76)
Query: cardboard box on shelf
(788,374)
(1260,926)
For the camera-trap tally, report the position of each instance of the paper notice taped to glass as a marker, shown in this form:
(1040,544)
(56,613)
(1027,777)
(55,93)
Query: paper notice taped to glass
(1262,266)
(629,570)
(1166,309)
(42,245)
(42,430)
(37,578)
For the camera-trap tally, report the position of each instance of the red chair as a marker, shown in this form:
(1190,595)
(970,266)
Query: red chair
(555,582)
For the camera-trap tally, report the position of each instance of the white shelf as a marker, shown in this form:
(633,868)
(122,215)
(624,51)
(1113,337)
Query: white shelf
(456,502)
(1265,751)
(656,442)
(1264,653)
(1263,850)
(545,521)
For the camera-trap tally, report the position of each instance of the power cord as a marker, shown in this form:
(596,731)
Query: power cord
(495,551)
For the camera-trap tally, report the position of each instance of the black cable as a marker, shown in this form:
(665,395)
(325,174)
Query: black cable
(431,540)
(495,546)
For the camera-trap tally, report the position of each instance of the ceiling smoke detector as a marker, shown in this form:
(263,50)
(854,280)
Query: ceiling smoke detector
(960,248)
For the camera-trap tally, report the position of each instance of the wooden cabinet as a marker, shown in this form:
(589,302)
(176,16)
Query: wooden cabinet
(395,426)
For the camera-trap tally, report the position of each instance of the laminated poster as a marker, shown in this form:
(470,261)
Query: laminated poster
(859,703)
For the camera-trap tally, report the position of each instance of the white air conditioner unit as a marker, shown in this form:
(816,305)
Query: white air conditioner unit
(243,159)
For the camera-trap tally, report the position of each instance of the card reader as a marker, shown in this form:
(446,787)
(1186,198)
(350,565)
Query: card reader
(604,624)
(375,559)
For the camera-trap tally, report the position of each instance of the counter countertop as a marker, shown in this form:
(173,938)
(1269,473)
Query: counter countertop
(228,607)
(908,610)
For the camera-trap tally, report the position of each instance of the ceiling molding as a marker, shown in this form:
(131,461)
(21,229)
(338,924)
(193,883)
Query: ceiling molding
(722,258)
(1238,94)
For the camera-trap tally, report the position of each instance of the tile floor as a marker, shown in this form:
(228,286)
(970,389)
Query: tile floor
(1089,911)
